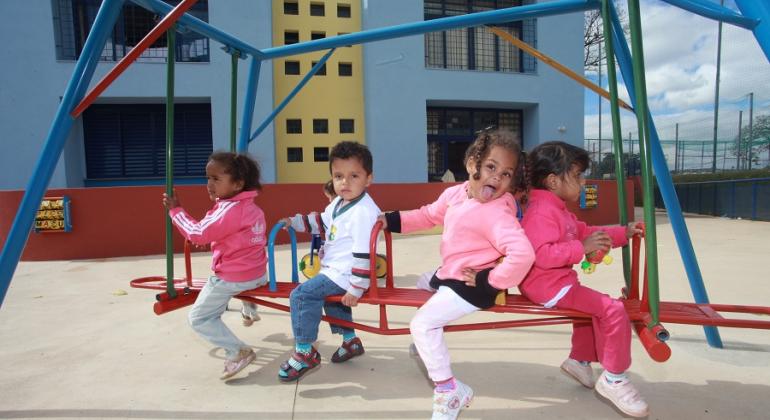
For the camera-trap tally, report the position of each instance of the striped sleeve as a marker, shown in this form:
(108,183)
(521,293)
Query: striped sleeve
(211,228)
(310,223)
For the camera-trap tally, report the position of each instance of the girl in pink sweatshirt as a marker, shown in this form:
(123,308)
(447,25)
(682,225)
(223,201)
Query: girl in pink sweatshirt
(555,174)
(483,251)
(235,228)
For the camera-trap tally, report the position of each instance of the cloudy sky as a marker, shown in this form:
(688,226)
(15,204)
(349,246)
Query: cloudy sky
(680,58)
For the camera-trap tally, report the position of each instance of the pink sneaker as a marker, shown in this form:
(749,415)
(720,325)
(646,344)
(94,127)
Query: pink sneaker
(447,405)
(232,367)
(579,372)
(624,395)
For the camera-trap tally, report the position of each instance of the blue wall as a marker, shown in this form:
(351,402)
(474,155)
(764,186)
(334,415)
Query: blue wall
(398,88)
(32,80)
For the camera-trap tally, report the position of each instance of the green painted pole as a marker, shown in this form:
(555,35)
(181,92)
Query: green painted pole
(651,240)
(171,60)
(617,136)
(233,96)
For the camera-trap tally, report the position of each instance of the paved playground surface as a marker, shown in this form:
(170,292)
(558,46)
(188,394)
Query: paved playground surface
(71,346)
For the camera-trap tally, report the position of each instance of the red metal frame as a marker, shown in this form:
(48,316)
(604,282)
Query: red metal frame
(653,339)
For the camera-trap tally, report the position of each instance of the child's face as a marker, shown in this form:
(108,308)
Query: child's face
(349,178)
(220,184)
(497,172)
(567,186)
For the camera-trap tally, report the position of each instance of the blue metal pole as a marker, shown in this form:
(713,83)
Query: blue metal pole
(271,255)
(416,28)
(759,10)
(198,26)
(57,136)
(716,12)
(665,183)
(291,94)
(248,104)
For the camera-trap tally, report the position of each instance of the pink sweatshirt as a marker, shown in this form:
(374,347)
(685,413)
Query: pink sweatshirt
(557,236)
(475,236)
(235,227)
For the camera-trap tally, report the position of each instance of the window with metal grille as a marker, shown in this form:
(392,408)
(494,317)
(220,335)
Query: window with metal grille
(321,71)
(317,9)
(291,67)
(451,130)
(321,154)
(128,141)
(294,154)
(320,126)
(343,10)
(290,8)
(290,37)
(73,20)
(347,125)
(478,48)
(345,69)
(294,126)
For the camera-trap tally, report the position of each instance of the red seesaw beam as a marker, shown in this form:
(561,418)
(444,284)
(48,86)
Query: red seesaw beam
(132,55)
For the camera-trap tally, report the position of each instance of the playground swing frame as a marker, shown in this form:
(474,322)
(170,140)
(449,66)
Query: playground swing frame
(647,315)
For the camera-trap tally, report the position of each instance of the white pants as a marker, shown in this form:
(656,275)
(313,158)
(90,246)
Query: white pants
(427,328)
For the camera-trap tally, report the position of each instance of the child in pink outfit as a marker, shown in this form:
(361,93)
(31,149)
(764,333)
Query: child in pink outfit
(560,240)
(483,251)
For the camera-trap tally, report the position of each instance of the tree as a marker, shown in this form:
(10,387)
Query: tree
(607,165)
(593,36)
(760,141)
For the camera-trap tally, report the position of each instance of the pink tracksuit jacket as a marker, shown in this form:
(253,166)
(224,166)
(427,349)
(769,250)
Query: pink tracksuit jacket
(557,236)
(475,236)
(235,227)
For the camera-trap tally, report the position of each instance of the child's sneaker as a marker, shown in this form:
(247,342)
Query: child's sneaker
(348,350)
(581,373)
(447,405)
(248,320)
(232,367)
(624,395)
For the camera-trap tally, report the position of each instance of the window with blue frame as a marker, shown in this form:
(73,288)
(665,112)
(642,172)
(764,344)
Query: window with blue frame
(125,142)
(478,48)
(73,19)
(451,130)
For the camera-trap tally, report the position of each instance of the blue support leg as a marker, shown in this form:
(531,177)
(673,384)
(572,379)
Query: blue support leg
(57,136)
(759,10)
(248,104)
(665,183)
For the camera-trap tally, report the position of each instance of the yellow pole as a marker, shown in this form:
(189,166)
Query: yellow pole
(555,64)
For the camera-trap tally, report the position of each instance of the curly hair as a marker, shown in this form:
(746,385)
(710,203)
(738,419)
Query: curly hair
(481,147)
(241,167)
(554,157)
(351,149)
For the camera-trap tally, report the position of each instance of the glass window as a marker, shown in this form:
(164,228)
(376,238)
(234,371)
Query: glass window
(290,8)
(321,71)
(294,154)
(320,126)
(343,10)
(321,154)
(73,20)
(345,69)
(317,9)
(294,126)
(291,67)
(290,37)
(347,125)
(317,35)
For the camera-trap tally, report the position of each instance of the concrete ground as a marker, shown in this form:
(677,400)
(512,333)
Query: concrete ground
(72,346)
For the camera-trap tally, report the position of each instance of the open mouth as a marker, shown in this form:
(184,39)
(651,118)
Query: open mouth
(487,192)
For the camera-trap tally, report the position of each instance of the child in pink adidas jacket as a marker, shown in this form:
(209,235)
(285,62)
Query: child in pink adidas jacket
(235,228)
(555,172)
(483,251)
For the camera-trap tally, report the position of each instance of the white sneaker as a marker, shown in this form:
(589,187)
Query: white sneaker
(581,373)
(447,405)
(248,320)
(624,395)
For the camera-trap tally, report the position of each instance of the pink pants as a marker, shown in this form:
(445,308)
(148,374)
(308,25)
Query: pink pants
(427,329)
(608,338)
